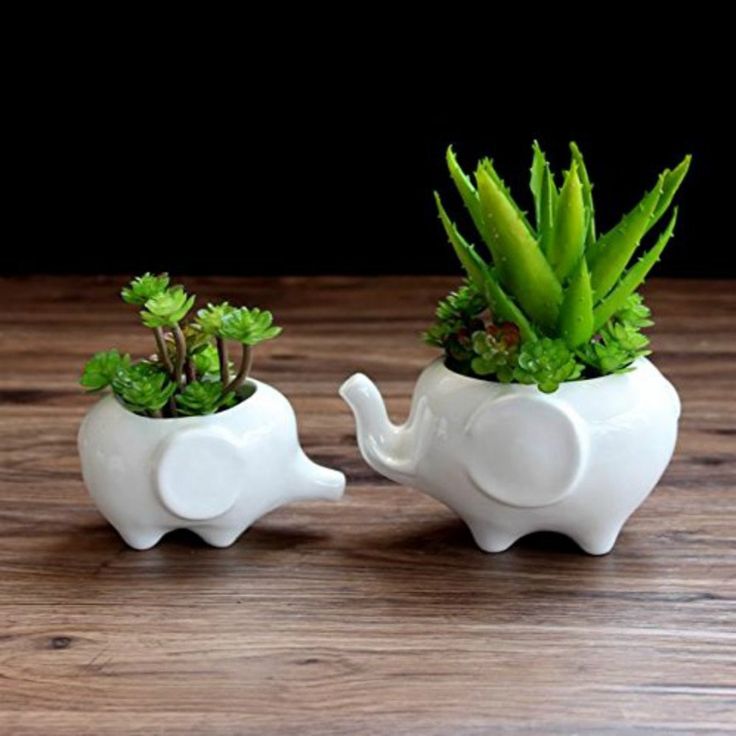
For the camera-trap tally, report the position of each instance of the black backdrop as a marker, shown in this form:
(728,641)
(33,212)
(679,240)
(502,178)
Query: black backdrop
(126,172)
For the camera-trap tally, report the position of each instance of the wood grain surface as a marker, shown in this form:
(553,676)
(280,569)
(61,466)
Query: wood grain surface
(376,615)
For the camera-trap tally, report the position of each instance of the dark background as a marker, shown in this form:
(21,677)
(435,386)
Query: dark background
(125,168)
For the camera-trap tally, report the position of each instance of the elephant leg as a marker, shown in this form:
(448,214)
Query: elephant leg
(219,537)
(140,537)
(490,538)
(597,540)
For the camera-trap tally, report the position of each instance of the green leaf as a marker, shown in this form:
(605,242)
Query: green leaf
(483,277)
(211,317)
(457,315)
(102,368)
(632,278)
(200,398)
(613,251)
(142,288)
(206,360)
(634,312)
(494,355)
(249,326)
(568,239)
(504,308)
(577,157)
(143,387)
(487,165)
(536,182)
(466,190)
(167,308)
(547,363)
(521,265)
(672,181)
(465,303)
(473,264)
(548,207)
(576,313)
(618,346)
(545,194)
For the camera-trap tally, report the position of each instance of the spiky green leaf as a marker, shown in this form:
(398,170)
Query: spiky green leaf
(568,238)
(576,313)
(613,250)
(536,181)
(631,280)
(504,308)
(521,265)
(670,185)
(577,157)
(487,165)
(473,264)
(466,189)
(548,207)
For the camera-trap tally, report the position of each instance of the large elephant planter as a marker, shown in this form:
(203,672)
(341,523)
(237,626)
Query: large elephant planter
(212,474)
(510,460)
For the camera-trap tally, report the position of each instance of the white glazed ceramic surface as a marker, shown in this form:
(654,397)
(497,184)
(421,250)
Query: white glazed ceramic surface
(511,460)
(214,474)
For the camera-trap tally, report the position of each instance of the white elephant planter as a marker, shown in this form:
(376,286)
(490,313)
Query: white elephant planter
(212,474)
(510,460)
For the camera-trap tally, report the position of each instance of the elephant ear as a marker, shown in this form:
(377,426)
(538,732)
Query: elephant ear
(198,472)
(526,450)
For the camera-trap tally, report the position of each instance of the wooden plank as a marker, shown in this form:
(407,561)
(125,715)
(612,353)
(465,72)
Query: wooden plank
(376,615)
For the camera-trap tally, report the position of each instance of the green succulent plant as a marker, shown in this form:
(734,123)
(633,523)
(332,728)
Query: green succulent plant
(210,321)
(206,362)
(145,388)
(249,327)
(203,397)
(143,288)
(547,362)
(101,369)
(570,293)
(190,374)
(211,317)
(167,308)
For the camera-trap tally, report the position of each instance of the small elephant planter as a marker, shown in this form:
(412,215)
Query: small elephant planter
(186,440)
(510,460)
(213,474)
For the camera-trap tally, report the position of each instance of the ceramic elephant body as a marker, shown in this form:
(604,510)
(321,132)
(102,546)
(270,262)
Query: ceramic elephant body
(511,460)
(212,474)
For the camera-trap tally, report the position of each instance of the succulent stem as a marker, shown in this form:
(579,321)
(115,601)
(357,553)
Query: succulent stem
(163,353)
(189,370)
(246,360)
(181,352)
(222,356)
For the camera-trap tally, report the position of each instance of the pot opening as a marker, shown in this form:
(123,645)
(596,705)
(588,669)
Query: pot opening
(454,368)
(244,393)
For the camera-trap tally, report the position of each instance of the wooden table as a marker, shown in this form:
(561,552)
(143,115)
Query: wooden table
(376,615)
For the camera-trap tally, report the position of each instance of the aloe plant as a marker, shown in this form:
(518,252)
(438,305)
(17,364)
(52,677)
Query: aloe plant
(570,294)
(190,373)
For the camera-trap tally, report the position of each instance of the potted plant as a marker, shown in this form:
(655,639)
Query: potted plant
(185,439)
(543,413)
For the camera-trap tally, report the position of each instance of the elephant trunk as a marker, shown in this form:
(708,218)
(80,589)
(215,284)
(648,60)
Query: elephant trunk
(317,483)
(381,442)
